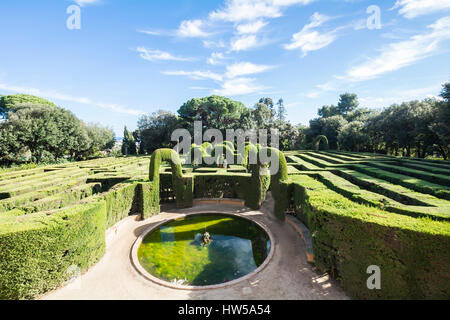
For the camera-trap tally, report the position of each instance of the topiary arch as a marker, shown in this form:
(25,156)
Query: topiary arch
(220,152)
(182,184)
(320,139)
(255,194)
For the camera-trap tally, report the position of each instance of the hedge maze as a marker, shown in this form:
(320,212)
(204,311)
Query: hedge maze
(361,209)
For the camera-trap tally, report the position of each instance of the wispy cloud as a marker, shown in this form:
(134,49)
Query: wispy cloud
(65,97)
(245,68)
(196,75)
(250,10)
(238,86)
(252,27)
(245,43)
(192,29)
(187,29)
(153,32)
(309,39)
(404,53)
(210,44)
(320,89)
(414,8)
(157,55)
(232,81)
(397,96)
(82,3)
(215,58)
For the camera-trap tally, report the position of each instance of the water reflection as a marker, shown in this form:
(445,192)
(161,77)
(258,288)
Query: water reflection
(175,251)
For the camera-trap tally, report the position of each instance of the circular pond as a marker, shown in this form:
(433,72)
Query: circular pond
(203,250)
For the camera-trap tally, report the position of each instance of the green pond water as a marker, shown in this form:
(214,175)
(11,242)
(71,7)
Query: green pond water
(175,251)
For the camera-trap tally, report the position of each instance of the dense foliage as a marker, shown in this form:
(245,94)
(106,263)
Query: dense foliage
(415,128)
(35,130)
(155,130)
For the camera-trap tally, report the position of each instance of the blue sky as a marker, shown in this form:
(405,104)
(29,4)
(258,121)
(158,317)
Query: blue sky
(134,57)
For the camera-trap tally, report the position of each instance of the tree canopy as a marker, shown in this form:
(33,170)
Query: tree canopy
(35,129)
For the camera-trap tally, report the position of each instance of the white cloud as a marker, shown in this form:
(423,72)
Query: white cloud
(252,27)
(404,53)
(250,10)
(196,75)
(245,68)
(151,32)
(313,94)
(155,55)
(244,43)
(209,44)
(215,58)
(232,81)
(414,8)
(398,96)
(310,40)
(69,98)
(192,29)
(238,86)
(82,3)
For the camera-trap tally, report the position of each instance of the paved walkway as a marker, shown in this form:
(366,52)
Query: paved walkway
(288,276)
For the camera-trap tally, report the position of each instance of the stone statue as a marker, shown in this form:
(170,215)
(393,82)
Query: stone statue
(206,239)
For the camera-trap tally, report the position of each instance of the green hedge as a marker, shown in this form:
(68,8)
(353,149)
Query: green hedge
(182,184)
(278,181)
(441,179)
(406,181)
(38,251)
(232,186)
(120,203)
(348,238)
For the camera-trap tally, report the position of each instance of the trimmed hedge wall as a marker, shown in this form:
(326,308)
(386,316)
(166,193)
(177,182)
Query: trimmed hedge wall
(120,202)
(37,251)
(234,186)
(413,254)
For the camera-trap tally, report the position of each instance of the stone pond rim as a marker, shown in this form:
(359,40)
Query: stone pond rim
(147,276)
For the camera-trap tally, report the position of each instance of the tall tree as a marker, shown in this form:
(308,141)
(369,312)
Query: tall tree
(348,102)
(215,112)
(128,144)
(282,113)
(155,131)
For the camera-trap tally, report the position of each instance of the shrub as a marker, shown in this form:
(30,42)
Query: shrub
(277,186)
(348,238)
(38,251)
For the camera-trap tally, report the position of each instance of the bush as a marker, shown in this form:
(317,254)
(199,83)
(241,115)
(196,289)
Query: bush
(38,251)
(348,238)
